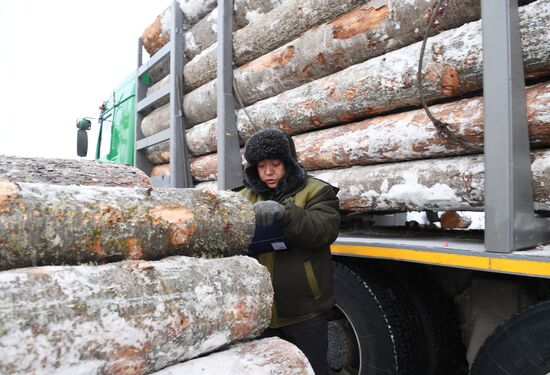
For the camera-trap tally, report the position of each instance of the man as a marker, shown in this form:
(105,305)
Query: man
(306,211)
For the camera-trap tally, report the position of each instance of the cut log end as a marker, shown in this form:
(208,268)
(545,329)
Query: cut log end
(154,38)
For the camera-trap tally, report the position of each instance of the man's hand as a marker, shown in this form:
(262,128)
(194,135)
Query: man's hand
(267,212)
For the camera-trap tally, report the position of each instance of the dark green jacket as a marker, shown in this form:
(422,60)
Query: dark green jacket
(302,274)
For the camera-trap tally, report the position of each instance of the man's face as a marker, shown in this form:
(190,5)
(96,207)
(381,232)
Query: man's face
(271,171)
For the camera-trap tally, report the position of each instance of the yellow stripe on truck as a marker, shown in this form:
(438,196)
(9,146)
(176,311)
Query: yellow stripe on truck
(484,263)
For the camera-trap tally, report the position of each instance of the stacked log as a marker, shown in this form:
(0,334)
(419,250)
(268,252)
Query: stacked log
(269,356)
(53,224)
(385,83)
(201,34)
(391,138)
(367,31)
(157,34)
(346,90)
(281,25)
(132,317)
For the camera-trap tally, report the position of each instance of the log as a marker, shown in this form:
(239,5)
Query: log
(449,184)
(385,139)
(204,33)
(366,32)
(156,35)
(385,83)
(267,356)
(453,220)
(281,25)
(44,224)
(132,317)
(71,172)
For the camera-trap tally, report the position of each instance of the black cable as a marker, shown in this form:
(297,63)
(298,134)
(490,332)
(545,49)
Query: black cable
(443,129)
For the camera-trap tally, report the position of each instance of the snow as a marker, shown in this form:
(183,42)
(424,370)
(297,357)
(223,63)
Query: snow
(252,16)
(192,8)
(418,195)
(190,42)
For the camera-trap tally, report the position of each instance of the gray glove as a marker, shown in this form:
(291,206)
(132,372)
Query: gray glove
(267,212)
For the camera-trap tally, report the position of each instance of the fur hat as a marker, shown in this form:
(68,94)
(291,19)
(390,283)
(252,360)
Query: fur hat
(272,144)
(269,144)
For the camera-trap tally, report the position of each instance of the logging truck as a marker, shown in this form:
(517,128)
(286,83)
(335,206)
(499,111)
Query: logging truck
(340,76)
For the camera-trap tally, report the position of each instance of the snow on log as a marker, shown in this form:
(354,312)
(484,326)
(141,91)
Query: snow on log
(71,172)
(370,30)
(44,224)
(273,29)
(396,137)
(283,24)
(272,356)
(449,184)
(453,64)
(131,317)
(204,33)
(157,34)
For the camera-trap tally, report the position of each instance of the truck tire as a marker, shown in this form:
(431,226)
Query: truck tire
(446,353)
(373,329)
(518,346)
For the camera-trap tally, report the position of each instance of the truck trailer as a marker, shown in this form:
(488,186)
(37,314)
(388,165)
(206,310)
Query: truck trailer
(414,109)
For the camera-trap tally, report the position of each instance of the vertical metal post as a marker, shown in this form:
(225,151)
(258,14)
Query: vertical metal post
(180,173)
(140,160)
(229,158)
(510,222)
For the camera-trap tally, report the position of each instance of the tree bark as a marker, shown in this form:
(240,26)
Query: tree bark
(453,67)
(385,139)
(132,317)
(281,25)
(50,224)
(450,184)
(254,357)
(156,35)
(453,64)
(204,33)
(71,172)
(368,31)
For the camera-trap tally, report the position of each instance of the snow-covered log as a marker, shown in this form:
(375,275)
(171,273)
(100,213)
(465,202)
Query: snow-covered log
(71,172)
(204,33)
(396,137)
(272,356)
(370,30)
(453,64)
(132,317)
(283,24)
(157,34)
(268,32)
(44,224)
(449,184)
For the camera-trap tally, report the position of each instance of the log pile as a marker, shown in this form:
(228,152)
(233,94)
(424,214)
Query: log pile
(346,90)
(131,317)
(117,308)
